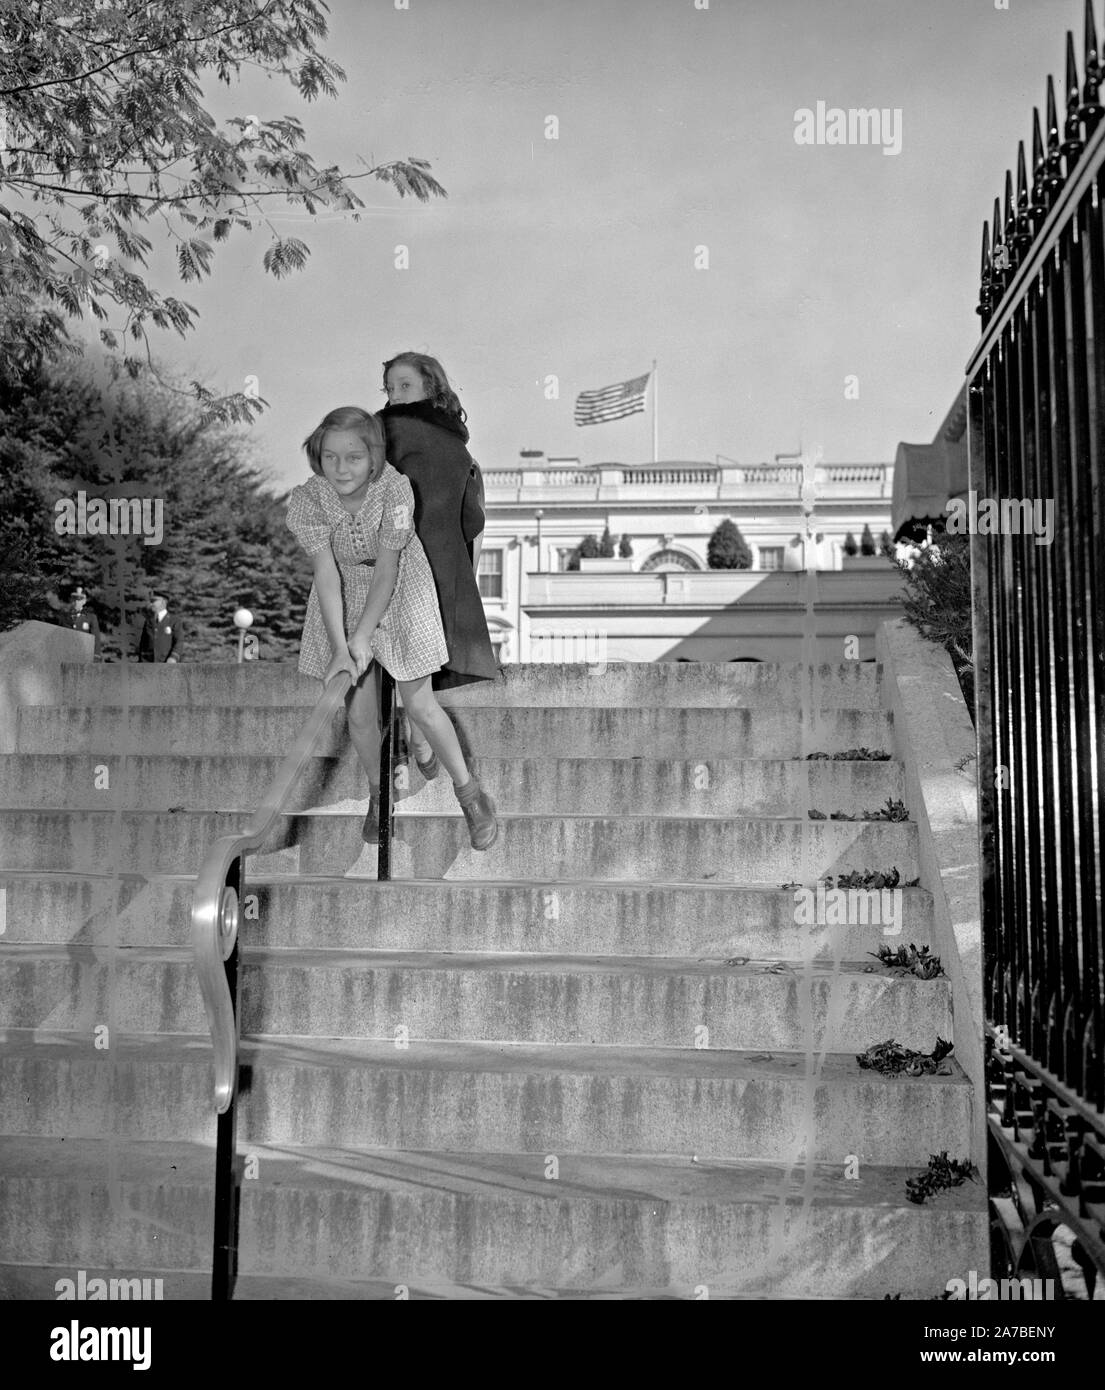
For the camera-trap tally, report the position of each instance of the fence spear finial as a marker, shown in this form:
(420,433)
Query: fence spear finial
(1025,229)
(1090,110)
(1000,270)
(1009,226)
(1053,177)
(984,298)
(1073,144)
(1040,202)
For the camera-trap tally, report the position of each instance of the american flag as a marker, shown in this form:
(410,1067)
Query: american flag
(612,402)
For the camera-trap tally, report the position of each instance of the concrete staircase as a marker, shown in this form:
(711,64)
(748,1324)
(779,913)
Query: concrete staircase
(601,1060)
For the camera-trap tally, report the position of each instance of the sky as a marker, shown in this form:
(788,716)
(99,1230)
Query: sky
(575,257)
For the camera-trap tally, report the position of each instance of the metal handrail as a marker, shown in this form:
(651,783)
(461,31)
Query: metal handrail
(216,896)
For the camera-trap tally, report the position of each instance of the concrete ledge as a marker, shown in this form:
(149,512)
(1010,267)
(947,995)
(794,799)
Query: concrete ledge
(30,670)
(935,741)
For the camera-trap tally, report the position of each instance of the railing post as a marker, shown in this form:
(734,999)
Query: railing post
(389,731)
(224,1268)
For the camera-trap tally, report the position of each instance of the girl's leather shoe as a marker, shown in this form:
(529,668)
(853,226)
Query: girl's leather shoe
(479,812)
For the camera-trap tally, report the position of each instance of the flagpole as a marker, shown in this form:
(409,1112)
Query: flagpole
(655,432)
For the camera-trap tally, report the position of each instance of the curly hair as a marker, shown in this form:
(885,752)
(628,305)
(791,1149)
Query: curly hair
(436,383)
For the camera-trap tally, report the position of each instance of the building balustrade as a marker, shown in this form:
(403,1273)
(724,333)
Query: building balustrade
(725,482)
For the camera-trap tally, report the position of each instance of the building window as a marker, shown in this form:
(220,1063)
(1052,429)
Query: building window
(564,553)
(668,560)
(491,574)
(771,557)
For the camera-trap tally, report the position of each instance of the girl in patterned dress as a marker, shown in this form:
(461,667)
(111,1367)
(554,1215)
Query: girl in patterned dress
(373,598)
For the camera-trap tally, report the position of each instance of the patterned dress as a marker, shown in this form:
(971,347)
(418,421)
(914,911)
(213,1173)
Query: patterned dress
(409,640)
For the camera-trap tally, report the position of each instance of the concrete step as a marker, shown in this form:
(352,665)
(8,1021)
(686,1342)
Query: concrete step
(542,848)
(437,1220)
(604,1000)
(367,1093)
(667,684)
(551,786)
(696,734)
(704,919)
(47,1282)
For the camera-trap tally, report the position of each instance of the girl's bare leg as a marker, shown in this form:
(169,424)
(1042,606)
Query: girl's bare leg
(363,717)
(430,721)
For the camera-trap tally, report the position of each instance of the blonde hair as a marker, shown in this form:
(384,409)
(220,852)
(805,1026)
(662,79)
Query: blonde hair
(346,417)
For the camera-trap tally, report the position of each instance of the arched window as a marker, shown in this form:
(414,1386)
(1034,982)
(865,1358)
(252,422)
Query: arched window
(668,560)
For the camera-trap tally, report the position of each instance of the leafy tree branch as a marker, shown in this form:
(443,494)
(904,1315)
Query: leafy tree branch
(105,133)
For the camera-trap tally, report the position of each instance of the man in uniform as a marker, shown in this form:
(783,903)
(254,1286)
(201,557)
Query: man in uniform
(160,639)
(83,619)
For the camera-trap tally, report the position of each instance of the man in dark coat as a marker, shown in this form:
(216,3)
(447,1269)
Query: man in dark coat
(160,639)
(83,619)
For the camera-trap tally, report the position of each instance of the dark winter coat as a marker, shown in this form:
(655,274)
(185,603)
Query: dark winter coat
(160,638)
(86,621)
(428,447)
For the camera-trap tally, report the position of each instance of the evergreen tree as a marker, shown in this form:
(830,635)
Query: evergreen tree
(606,545)
(867,542)
(87,426)
(727,549)
(850,547)
(625,548)
(589,548)
(886,545)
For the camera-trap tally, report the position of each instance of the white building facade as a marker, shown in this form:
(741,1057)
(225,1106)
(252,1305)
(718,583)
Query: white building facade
(802,598)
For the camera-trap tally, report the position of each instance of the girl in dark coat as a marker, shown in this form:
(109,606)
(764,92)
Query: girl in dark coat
(424,424)
(426,438)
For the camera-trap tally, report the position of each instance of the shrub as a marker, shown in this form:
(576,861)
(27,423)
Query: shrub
(727,549)
(937,601)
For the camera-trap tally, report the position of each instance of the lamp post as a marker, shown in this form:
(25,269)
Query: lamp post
(539,513)
(243,619)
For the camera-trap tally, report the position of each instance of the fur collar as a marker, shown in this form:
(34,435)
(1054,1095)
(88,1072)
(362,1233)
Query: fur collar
(431,414)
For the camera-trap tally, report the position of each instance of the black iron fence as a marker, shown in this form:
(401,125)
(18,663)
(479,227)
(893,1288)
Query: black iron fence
(1037,514)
